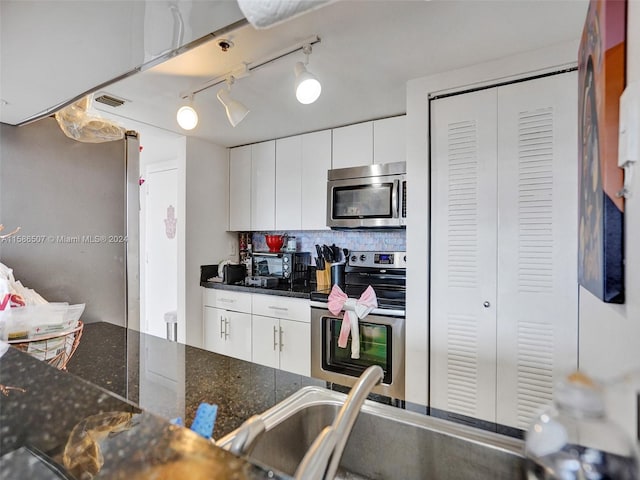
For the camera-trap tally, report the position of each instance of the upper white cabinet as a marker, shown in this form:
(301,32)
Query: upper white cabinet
(352,145)
(316,161)
(263,185)
(288,213)
(504,301)
(379,141)
(389,140)
(239,188)
(288,176)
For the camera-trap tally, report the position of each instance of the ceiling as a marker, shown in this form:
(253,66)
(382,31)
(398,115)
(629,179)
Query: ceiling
(368,51)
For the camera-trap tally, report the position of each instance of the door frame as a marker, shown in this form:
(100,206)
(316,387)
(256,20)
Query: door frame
(156,167)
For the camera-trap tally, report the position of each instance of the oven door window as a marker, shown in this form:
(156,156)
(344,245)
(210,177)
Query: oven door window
(363,201)
(375,349)
(268,266)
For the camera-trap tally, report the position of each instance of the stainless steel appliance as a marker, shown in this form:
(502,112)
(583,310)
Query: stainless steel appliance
(374,196)
(83,202)
(290,268)
(382,332)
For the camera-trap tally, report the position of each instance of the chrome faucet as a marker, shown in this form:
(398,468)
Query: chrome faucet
(247,434)
(322,459)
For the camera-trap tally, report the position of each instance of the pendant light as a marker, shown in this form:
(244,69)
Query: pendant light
(308,88)
(187,117)
(236,111)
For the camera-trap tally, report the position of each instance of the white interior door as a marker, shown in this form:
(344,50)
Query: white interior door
(537,243)
(161,282)
(463,254)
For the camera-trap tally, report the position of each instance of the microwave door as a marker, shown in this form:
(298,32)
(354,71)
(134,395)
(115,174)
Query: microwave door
(374,200)
(267,266)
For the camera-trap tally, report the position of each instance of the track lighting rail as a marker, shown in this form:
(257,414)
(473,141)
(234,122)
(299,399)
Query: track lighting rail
(246,68)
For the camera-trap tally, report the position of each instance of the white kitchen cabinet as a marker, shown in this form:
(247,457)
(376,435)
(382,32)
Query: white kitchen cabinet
(240,189)
(227,332)
(266,341)
(504,292)
(295,347)
(281,333)
(316,161)
(352,145)
(389,140)
(288,214)
(263,185)
(227,323)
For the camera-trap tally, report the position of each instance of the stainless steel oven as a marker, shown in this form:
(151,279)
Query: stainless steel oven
(374,196)
(381,343)
(382,332)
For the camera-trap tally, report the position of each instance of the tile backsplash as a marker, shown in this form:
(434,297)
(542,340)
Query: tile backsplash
(365,240)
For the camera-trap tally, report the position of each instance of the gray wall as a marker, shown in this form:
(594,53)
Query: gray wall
(55,187)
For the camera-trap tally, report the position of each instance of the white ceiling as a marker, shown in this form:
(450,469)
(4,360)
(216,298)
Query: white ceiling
(368,51)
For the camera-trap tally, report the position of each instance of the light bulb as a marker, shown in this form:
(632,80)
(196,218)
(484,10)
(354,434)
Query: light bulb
(308,87)
(187,117)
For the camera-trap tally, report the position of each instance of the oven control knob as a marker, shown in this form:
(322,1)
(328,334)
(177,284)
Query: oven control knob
(354,259)
(363,258)
(287,274)
(285,259)
(285,267)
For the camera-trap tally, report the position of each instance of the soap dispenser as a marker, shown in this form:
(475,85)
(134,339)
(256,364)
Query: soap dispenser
(574,439)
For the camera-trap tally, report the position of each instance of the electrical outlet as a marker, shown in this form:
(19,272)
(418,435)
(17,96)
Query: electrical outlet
(233,250)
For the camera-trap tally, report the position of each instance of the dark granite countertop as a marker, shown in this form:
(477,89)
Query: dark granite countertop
(53,418)
(297,292)
(171,379)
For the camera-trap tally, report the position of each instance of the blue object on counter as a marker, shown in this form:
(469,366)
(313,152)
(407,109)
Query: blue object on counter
(204,420)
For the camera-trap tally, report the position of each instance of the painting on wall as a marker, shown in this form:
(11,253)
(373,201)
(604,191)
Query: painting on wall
(601,74)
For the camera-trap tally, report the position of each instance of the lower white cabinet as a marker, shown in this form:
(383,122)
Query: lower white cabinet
(267,329)
(283,344)
(227,332)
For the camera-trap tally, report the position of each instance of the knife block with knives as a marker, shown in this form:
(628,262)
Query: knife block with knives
(323,277)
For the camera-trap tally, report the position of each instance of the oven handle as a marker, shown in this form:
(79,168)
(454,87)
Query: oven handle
(379,312)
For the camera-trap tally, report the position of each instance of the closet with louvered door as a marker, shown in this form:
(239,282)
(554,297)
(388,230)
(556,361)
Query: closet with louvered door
(504,306)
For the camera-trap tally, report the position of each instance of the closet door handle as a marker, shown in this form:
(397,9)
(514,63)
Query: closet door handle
(275,341)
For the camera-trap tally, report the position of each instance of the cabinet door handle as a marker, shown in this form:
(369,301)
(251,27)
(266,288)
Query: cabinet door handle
(282,309)
(275,341)
(226,328)
(281,344)
(226,300)
(221,326)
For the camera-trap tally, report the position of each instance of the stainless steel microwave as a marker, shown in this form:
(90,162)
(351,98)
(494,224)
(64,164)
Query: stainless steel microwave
(374,196)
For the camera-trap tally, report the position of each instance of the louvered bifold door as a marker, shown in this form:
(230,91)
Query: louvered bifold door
(537,243)
(463,254)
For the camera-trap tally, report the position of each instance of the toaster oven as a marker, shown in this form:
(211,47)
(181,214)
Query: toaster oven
(289,268)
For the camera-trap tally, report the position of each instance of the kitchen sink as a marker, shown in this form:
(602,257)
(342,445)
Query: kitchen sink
(385,443)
